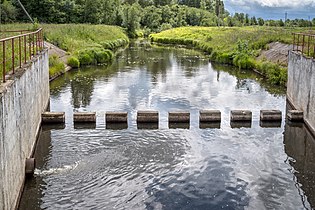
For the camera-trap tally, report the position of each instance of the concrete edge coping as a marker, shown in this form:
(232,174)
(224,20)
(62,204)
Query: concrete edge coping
(209,116)
(148,116)
(270,115)
(179,117)
(84,117)
(116,117)
(295,115)
(241,115)
(53,117)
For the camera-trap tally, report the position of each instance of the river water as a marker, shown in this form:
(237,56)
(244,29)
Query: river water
(99,166)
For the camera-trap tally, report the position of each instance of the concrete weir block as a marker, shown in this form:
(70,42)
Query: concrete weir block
(147,117)
(270,115)
(241,115)
(179,117)
(295,115)
(116,117)
(84,117)
(209,116)
(29,166)
(53,117)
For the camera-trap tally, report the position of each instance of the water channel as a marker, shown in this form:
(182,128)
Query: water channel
(249,166)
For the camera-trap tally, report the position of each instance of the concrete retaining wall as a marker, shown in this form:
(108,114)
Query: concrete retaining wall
(22,100)
(301,86)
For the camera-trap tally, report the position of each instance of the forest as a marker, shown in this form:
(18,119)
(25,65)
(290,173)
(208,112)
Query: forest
(148,15)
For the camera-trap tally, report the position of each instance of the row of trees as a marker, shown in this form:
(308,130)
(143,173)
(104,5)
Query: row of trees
(152,15)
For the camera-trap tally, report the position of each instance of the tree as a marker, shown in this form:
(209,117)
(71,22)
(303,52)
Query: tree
(151,18)
(253,21)
(246,19)
(281,23)
(111,12)
(261,21)
(8,11)
(131,18)
(92,11)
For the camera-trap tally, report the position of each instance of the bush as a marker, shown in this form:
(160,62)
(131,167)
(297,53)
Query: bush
(103,56)
(85,58)
(274,73)
(73,62)
(94,56)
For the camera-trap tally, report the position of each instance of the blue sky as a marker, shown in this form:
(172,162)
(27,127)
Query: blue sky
(273,9)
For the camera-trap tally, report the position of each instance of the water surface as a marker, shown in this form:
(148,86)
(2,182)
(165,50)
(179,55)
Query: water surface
(227,167)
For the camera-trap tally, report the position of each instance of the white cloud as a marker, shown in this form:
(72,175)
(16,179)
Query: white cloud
(276,3)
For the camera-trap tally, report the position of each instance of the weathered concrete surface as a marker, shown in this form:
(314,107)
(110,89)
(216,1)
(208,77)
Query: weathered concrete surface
(53,117)
(270,115)
(179,117)
(147,117)
(209,116)
(22,100)
(301,86)
(241,115)
(116,117)
(84,117)
(295,115)
(277,53)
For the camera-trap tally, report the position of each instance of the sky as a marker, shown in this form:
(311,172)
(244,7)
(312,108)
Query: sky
(273,9)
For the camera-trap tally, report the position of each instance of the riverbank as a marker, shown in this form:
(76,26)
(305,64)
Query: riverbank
(239,46)
(74,45)
(84,44)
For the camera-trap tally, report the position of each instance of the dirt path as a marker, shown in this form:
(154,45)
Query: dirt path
(277,53)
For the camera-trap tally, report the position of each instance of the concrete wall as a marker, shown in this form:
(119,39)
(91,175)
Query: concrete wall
(301,86)
(22,100)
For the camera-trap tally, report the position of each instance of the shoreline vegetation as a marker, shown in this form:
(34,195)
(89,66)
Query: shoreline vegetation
(86,44)
(90,31)
(238,46)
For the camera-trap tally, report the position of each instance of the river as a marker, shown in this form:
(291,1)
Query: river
(227,166)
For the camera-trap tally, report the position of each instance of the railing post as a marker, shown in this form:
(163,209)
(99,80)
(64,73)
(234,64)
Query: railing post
(303,42)
(34,44)
(30,45)
(308,45)
(293,40)
(25,52)
(13,58)
(20,52)
(3,62)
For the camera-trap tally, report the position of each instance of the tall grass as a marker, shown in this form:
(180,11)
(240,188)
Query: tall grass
(90,44)
(222,44)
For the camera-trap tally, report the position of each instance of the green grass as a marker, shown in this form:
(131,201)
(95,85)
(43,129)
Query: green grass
(75,37)
(56,66)
(95,44)
(225,45)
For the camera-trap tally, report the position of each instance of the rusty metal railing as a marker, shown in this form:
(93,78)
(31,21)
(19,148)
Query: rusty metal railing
(18,50)
(304,43)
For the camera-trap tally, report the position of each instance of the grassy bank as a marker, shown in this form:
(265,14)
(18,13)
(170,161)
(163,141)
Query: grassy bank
(238,46)
(86,44)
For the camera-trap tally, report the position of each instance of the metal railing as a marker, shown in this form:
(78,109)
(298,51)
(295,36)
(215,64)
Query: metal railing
(304,43)
(18,50)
